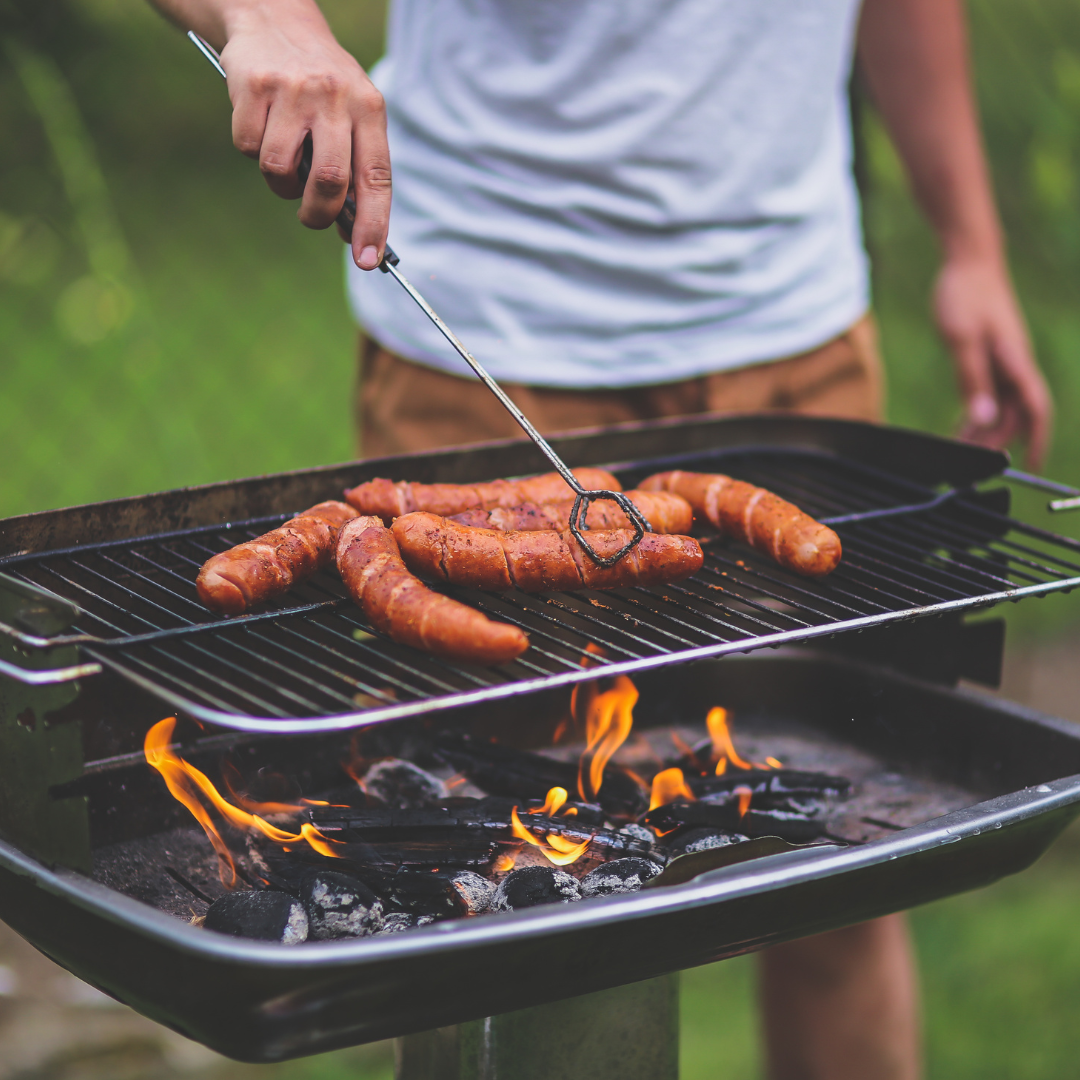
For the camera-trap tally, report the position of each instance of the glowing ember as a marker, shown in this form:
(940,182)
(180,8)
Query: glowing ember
(667,786)
(774,763)
(184,782)
(557,849)
(610,718)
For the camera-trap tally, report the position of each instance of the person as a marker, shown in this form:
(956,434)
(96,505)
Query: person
(638,210)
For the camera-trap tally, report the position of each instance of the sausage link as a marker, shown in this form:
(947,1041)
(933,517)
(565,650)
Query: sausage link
(389,500)
(260,569)
(541,560)
(664,511)
(404,608)
(758,518)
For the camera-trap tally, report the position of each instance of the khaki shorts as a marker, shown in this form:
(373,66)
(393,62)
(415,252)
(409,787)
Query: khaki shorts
(402,406)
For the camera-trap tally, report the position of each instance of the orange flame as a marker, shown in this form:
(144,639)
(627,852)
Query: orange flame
(504,864)
(745,795)
(667,786)
(557,850)
(556,798)
(724,748)
(184,782)
(610,718)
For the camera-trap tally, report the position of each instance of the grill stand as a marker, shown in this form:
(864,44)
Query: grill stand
(629,1033)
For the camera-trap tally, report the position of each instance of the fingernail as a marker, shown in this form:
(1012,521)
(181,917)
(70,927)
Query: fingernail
(369,258)
(983,410)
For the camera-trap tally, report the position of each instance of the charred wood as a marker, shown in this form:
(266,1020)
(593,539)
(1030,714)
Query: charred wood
(789,825)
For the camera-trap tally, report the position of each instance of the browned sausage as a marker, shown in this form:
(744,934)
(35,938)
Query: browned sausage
(271,564)
(665,512)
(538,561)
(758,518)
(390,500)
(403,607)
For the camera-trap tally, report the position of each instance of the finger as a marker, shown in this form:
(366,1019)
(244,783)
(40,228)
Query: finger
(977,387)
(331,168)
(1022,380)
(249,122)
(371,183)
(282,145)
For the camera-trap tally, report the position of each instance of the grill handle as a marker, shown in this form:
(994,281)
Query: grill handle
(1070,502)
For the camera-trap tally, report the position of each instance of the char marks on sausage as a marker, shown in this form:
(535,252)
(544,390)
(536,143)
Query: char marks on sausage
(756,517)
(404,608)
(390,500)
(258,570)
(541,560)
(664,511)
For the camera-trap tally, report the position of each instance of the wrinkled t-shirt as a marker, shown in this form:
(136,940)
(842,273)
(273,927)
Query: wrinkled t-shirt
(604,193)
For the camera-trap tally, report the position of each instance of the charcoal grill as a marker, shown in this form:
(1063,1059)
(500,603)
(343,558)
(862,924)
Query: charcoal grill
(100,638)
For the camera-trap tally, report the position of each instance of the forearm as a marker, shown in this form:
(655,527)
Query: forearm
(218,20)
(914,57)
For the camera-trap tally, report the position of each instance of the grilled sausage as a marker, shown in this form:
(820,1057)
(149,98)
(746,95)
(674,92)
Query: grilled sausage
(538,561)
(665,512)
(271,564)
(403,607)
(390,500)
(758,518)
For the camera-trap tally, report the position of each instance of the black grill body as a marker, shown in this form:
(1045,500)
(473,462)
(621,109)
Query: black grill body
(262,1002)
(923,548)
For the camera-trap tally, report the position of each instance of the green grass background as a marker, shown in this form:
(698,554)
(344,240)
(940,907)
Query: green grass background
(165,321)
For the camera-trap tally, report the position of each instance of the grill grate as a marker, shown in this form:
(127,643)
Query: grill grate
(313,663)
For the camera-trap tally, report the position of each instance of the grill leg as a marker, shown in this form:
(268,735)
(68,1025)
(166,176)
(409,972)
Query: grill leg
(629,1033)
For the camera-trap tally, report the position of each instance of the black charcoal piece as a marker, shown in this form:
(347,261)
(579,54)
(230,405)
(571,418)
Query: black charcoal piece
(792,825)
(262,915)
(691,840)
(339,906)
(638,832)
(532,885)
(769,786)
(618,876)
(397,921)
(476,891)
(403,785)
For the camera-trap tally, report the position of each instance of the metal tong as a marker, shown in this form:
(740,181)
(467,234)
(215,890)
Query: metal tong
(389,265)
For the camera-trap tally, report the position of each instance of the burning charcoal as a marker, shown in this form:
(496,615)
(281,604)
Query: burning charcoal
(263,915)
(793,826)
(340,906)
(770,785)
(398,921)
(521,775)
(618,876)
(476,891)
(691,840)
(403,785)
(532,885)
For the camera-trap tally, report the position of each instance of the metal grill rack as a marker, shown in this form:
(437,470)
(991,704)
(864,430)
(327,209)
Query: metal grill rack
(313,663)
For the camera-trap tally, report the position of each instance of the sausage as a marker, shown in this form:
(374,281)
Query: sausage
(403,607)
(260,569)
(541,560)
(390,500)
(758,518)
(665,512)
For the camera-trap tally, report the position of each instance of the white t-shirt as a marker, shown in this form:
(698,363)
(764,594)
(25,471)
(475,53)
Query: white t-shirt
(604,193)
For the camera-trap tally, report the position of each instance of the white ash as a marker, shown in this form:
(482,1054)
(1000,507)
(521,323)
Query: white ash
(339,906)
(619,876)
(638,832)
(476,891)
(403,785)
(532,885)
(399,921)
(704,839)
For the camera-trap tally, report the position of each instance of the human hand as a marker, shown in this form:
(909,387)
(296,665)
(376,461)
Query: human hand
(1005,395)
(288,76)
